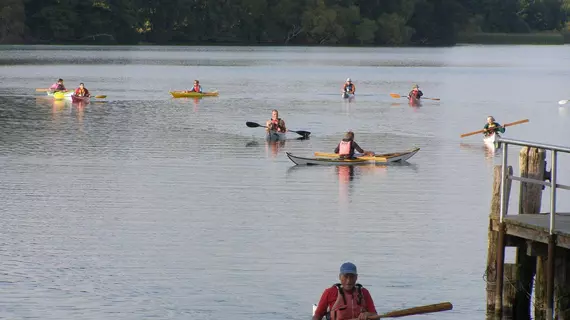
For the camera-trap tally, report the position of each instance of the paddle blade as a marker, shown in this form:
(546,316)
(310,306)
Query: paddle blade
(100,97)
(252,124)
(302,133)
(41,90)
(444,306)
(436,99)
(561,102)
(395,95)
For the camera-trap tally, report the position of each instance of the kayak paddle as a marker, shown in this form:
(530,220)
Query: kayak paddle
(397,96)
(443,306)
(561,102)
(299,132)
(483,130)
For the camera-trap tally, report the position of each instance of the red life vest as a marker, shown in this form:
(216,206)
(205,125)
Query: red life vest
(275,125)
(197,88)
(344,148)
(348,305)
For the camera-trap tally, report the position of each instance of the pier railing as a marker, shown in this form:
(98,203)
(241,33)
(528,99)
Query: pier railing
(553,184)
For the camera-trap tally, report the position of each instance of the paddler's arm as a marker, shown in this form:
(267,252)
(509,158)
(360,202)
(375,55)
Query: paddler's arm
(357,147)
(369,304)
(322,306)
(337,149)
(360,150)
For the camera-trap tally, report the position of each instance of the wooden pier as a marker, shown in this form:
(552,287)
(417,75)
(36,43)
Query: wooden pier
(541,272)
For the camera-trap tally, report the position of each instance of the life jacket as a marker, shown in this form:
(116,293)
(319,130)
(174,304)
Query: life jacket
(415,93)
(80,92)
(276,125)
(197,88)
(344,148)
(348,305)
(348,87)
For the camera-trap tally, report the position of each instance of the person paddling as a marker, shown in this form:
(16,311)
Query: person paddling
(416,92)
(347,299)
(82,91)
(492,127)
(275,123)
(348,87)
(197,87)
(58,86)
(347,146)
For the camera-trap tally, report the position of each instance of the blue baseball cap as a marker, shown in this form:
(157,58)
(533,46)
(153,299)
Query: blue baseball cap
(348,267)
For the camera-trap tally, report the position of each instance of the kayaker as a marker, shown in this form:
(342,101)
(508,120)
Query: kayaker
(276,123)
(58,86)
(347,146)
(348,87)
(492,127)
(416,92)
(347,299)
(197,87)
(82,91)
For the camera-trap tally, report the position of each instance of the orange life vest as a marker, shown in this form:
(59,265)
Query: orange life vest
(344,148)
(348,305)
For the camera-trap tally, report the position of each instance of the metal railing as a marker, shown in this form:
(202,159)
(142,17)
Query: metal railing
(504,143)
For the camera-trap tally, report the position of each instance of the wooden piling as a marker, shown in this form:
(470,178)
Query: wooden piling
(562,282)
(532,165)
(493,238)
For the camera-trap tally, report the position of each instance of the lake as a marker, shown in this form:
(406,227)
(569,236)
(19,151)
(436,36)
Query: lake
(144,206)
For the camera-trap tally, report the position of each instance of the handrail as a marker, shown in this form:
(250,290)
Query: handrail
(553,184)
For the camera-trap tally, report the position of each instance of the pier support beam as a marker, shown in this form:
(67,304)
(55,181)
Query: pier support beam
(532,165)
(494,293)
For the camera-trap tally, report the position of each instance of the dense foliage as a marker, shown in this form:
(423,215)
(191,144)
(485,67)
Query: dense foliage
(346,22)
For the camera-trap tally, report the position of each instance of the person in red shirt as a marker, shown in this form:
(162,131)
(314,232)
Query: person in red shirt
(347,299)
(82,91)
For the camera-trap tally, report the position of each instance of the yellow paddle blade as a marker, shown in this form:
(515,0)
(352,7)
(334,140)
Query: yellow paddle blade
(100,97)
(41,90)
(395,95)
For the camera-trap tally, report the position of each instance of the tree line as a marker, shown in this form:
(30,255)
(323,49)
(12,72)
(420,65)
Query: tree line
(277,22)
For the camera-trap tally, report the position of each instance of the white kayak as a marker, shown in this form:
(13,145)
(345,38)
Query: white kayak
(491,140)
(347,95)
(275,136)
(325,159)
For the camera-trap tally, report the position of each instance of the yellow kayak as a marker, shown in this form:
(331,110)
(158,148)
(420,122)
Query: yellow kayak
(192,94)
(386,157)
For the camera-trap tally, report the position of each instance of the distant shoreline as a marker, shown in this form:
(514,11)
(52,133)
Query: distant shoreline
(482,38)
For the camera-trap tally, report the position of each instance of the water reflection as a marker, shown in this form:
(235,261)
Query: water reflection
(195,102)
(563,111)
(272,147)
(489,152)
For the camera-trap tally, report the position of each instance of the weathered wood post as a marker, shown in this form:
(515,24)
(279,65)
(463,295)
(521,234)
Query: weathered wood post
(493,239)
(532,165)
(562,280)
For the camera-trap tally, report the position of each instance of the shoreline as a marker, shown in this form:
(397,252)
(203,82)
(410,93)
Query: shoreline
(479,38)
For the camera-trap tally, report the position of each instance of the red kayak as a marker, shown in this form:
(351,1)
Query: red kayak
(77,99)
(414,101)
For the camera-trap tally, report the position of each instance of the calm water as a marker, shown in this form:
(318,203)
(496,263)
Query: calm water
(143,206)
